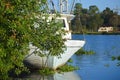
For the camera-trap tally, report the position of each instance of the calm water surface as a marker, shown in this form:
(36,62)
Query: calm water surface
(92,67)
(100,65)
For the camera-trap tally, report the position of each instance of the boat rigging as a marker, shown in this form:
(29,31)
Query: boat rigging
(33,60)
(63,6)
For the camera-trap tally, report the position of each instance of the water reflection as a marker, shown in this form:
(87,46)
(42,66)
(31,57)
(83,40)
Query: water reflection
(56,76)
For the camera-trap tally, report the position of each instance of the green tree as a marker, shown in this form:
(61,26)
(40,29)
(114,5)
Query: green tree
(93,10)
(78,8)
(106,15)
(95,19)
(110,18)
(21,23)
(95,22)
(118,23)
(84,18)
(77,21)
(114,20)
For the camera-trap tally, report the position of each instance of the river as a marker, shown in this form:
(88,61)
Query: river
(98,66)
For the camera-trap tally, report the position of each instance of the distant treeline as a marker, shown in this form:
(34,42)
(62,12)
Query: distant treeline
(89,20)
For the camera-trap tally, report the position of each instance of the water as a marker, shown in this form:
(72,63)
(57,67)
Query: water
(92,67)
(56,76)
(100,65)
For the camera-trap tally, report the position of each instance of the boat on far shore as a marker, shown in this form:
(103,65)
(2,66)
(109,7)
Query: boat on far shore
(34,61)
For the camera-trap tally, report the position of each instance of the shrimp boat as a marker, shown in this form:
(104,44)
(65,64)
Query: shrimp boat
(34,61)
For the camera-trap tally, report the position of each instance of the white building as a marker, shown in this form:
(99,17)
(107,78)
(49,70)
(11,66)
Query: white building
(105,29)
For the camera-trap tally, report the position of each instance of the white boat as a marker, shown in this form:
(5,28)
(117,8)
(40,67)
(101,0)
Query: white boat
(34,61)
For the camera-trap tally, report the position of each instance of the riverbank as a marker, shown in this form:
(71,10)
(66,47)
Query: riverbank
(99,33)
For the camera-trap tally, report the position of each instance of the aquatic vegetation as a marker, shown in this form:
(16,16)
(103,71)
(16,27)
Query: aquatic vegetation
(106,65)
(113,58)
(67,68)
(116,58)
(82,51)
(70,60)
(46,71)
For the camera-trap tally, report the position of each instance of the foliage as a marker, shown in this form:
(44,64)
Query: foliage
(49,36)
(106,15)
(70,60)
(67,68)
(82,51)
(46,71)
(76,21)
(20,25)
(95,22)
(91,19)
(113,58)
(93,10)
(64,68)
(116,58)
(78,8)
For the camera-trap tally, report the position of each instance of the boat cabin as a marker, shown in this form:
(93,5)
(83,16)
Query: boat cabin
(64,19)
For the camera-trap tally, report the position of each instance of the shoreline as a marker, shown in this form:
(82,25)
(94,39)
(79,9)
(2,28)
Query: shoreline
(99,33)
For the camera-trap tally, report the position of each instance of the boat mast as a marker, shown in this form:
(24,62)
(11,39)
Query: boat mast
(63,6)
(53,5)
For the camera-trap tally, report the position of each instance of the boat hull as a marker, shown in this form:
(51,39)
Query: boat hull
(53,62)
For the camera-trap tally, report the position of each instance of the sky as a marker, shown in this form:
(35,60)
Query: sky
(101,4)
